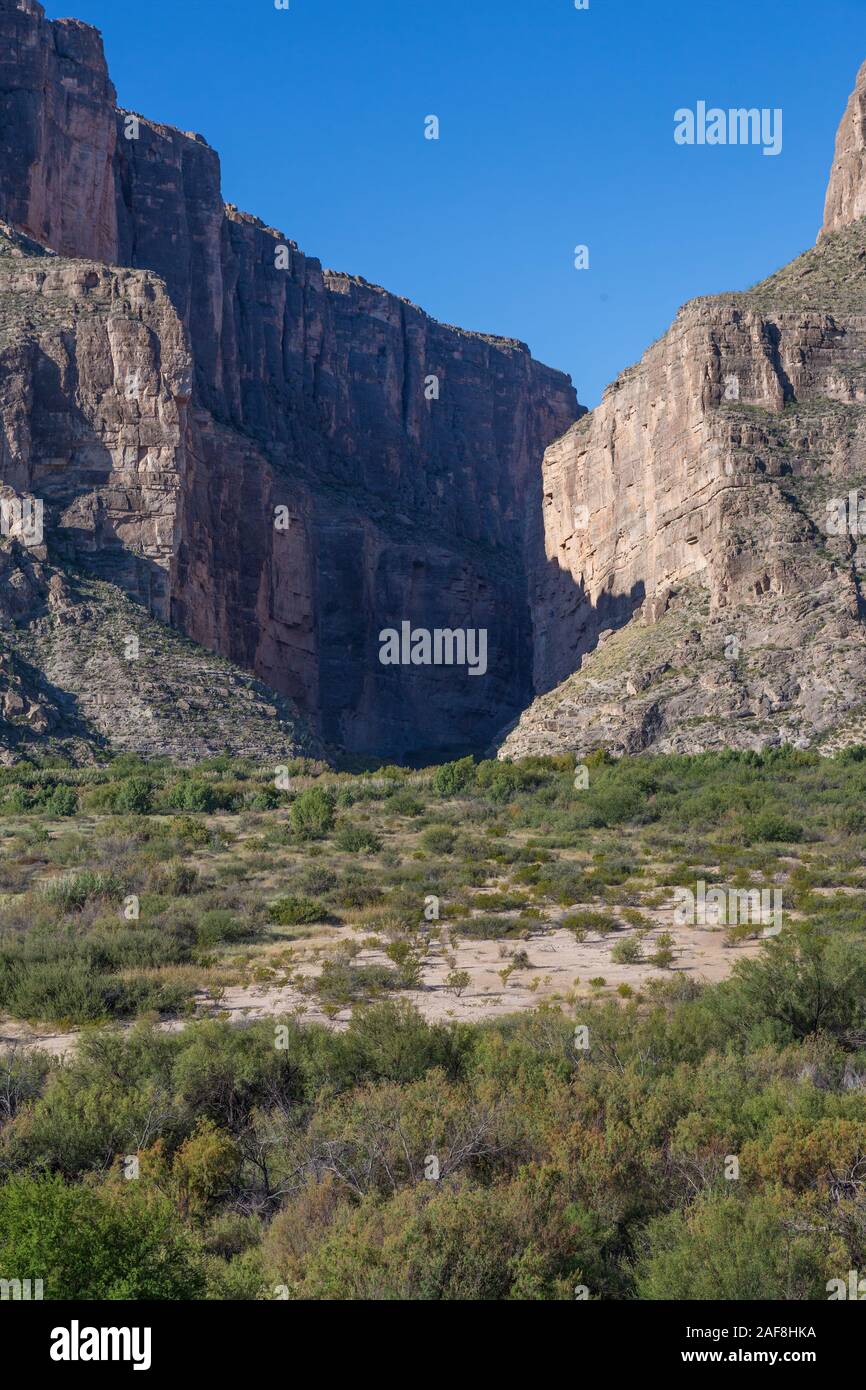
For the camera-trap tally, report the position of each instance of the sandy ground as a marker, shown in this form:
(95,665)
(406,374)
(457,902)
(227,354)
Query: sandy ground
(559,966)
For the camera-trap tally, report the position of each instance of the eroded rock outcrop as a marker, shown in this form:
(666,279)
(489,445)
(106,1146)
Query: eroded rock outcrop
(846,195)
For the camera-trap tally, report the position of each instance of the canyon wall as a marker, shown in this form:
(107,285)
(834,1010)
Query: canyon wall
(310,391)
(693,575)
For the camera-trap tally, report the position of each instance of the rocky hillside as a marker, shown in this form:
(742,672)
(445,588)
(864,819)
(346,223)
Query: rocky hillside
(703,554)
(83,668)
(406,452)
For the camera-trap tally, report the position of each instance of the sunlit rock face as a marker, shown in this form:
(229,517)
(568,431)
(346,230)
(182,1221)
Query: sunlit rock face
(701,578)
(846,195)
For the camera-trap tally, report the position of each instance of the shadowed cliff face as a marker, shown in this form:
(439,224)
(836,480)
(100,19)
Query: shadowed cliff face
(407,498)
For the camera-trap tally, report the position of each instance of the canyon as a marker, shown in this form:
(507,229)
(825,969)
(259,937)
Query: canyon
(172,406)
(176,376)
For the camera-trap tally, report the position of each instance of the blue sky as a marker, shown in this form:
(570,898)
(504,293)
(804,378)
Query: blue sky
(556,130)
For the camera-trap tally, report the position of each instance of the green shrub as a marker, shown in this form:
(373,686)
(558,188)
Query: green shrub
(353,839)
(218,925)
(190,795)
(293,911)
(96,1243)
(453,778)
(586,921)
(134,795)
(403,804)
(438,839)
(72,892)
(63,801)
(772,826)
(627,952)
(312,813)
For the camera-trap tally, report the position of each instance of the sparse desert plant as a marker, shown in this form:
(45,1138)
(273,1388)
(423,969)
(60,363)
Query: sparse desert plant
(600,922)
(663,955)
(294,910)
(73,891)
(312,813)
(438,839)
(175,878)
(627,951)
(355,839)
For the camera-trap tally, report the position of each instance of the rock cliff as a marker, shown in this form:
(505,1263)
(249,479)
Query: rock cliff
(701,580)
(846,195)
(405,451)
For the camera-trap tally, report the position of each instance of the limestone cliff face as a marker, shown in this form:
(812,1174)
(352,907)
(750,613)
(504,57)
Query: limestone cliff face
(95,377)
(57,132)
(663,483)
(310,391)
(846,195)
(691,590)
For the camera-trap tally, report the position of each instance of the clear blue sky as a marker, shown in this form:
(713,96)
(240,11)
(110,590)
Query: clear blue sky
(556,129)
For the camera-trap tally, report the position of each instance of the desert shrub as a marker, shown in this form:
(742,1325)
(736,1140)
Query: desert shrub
(219,925)
(802,983)
(403,803)
(316,880)
(772,826)
(438,839)
(63,801)
(356,893)
(96,1243)
(728,1247)
(488,928)
(134,794)
(191,795)
(663,954)
(587,921)
(189,830)
(265,798)
(453,778)
(341,983)
(293,911)
(354,839)
(73,891)
(175,878)
(312,813)
(627,951)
